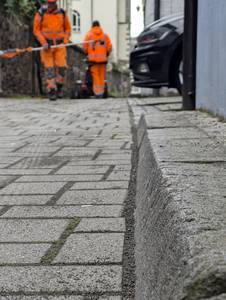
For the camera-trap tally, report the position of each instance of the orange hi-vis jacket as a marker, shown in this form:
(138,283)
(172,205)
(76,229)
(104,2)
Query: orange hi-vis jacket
(100,45)
(52,27)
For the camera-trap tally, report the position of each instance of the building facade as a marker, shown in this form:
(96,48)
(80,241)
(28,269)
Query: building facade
(166,8)
(114,16)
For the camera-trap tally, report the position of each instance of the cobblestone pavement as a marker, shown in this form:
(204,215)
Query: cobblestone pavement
(64,177)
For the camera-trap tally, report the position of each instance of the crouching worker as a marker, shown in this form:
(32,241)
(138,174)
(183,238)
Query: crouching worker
(97,50)
(52,27)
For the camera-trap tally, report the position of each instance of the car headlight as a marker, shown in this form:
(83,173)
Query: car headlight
(152,37)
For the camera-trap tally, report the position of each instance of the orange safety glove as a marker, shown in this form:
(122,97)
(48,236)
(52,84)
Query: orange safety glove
(66,40)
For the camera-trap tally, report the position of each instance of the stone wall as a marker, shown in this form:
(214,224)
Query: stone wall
(19,75)
(15,73)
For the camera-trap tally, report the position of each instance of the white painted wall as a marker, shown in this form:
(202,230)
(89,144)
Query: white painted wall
(84,8)
(106,12)
(112,16)
(167,7)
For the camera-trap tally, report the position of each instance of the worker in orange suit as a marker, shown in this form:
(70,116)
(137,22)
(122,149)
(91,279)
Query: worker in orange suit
(52,27)
(98,51)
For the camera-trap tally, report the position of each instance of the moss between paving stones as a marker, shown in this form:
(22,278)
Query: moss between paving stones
(56,246)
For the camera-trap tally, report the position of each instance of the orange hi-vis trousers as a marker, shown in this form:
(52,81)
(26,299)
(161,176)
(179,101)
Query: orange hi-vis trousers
(55,63)
(98,72)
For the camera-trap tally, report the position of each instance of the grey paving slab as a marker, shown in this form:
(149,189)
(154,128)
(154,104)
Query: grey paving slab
(38,150)
(60,178)
(2,166)
(92,248)
(64,141)
(114,157)
(79,279)
(119,175)
(24,171)
(22,253)
(103,185)
(113,144)
(31,230)
(64,212)
(175,133)
(46,297)
(101,225)
(71,151)
(93,197)
(24,200)
(120,167)
(90,162)
(194,169)
(110,298)
(201,150)
(116,152)
(83,170)
(5,180)
(165,120)
(32,188)
(40,162)
(170,106)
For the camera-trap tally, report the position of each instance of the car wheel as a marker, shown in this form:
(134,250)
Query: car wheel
(178,75)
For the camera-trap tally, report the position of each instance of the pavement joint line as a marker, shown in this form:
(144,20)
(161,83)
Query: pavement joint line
(55,152)
(56,218)
(108,173)
(97,154)
(112,188)
(8,182)
(63,293)
(21,147)
(98,231)
(157,103)
(129,265)
(57,196)
(50,264)
(169,127)
(88,143)
(53,251)
(66,205)
(5,209)
(25,243)
(123,146)
(58,167)
(14,163)
(12,195)
(199,162)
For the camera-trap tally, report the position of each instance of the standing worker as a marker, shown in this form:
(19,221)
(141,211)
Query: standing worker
(97,50)
(52,27)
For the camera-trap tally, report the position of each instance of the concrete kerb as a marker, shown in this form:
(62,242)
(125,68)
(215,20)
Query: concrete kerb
(169,264)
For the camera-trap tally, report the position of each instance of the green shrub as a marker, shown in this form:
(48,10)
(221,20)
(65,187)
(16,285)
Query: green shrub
(22,10)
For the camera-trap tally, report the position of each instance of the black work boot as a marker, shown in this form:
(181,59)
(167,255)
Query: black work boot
(52,95)
(60,92)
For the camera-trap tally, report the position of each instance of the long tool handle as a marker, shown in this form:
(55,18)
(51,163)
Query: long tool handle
(61,45)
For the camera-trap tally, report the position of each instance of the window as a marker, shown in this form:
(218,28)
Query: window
(76,21)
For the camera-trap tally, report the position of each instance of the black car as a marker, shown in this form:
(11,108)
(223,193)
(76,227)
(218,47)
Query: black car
(156,60)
